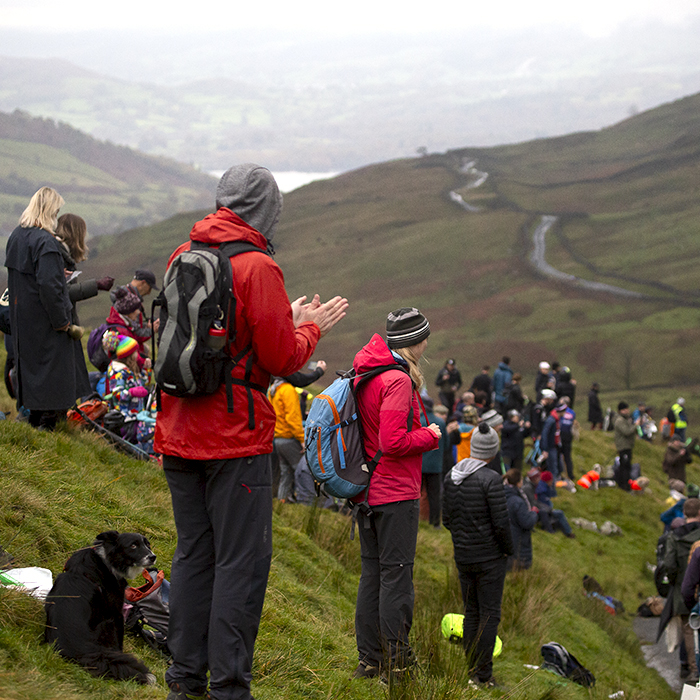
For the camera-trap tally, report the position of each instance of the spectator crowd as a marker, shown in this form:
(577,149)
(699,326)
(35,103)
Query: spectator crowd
(484,460)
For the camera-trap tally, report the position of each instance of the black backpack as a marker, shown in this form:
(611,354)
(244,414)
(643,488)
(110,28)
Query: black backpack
(197,320)
(558,660)
(148,615)
(5,312)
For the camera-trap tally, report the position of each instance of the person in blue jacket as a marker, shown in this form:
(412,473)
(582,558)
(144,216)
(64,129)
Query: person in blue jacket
(433,463)
(566,427)
(544,492)
(550,440)
(502,378)
(523,519)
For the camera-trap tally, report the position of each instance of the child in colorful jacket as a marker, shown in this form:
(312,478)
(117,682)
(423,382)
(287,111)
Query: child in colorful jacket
(127,391)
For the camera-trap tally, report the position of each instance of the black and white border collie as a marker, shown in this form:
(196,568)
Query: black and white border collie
(84,608)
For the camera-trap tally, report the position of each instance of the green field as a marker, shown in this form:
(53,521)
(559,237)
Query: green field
(112,187)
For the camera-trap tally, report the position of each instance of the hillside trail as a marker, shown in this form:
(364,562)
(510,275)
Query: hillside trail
(537,256)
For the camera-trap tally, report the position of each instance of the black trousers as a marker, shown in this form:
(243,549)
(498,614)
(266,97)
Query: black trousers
(482,591)
(566,444)
(623,474)
(433,489)
(447,398)
(223,515)
(385,597)
(513,462)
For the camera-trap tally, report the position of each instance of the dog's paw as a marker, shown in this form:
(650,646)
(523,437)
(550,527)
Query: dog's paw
(149,679)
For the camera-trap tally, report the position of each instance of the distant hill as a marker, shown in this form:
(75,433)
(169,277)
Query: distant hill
(395,234)
(113,187)
(298,101)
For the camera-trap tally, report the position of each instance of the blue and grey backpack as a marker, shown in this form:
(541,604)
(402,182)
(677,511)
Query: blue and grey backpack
(333,439)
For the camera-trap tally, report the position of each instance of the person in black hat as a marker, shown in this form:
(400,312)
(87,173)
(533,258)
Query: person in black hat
(142,284)
(388,521)
(144,281)
(625,433)
(449,381)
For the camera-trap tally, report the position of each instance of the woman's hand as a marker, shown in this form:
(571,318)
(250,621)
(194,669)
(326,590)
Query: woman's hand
(436,429)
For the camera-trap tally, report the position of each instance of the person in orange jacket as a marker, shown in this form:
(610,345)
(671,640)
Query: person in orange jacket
(289,434)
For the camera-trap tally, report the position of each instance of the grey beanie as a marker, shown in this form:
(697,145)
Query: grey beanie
(484,444)
(492,418)
(406,327)
(251,192)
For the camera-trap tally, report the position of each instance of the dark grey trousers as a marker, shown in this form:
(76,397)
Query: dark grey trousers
(223,515)
(384,611)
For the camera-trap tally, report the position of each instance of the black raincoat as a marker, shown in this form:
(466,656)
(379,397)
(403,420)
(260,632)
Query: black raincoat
(50,374)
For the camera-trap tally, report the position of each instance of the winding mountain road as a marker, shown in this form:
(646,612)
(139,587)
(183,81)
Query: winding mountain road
(537,255)
(537,258)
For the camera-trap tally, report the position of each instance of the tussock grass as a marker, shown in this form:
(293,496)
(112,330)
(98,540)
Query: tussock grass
(61,489)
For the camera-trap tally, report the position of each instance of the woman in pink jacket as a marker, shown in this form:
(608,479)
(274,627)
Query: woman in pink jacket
(388,530)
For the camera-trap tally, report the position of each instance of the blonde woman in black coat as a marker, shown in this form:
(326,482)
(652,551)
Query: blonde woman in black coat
(49,378)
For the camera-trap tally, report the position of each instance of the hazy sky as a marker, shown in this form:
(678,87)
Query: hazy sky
(596,17)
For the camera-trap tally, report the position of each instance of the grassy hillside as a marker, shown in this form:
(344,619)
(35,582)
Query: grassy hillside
(390,235)
(112,187)
(59,490)
(627,203)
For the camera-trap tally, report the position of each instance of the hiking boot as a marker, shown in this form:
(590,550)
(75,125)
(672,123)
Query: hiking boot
(177,694)
(571,535)
(489,683)
(363,670)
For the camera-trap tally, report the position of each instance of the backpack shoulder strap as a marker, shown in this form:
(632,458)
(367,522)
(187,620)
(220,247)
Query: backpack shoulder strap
(232,248)
(228,248)
(364,377)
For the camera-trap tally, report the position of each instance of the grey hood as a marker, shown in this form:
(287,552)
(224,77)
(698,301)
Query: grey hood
(251,192)
(465,468)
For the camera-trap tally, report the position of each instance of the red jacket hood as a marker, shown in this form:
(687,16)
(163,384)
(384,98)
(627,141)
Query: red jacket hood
(223,225)
(375,354)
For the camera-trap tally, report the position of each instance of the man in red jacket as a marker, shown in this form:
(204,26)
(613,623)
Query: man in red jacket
(217,463)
